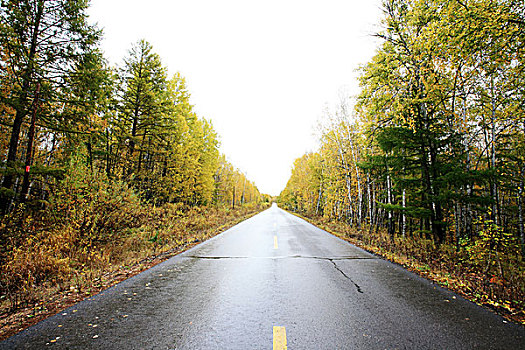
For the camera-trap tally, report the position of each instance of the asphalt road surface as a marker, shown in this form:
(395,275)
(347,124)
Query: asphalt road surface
(270,282)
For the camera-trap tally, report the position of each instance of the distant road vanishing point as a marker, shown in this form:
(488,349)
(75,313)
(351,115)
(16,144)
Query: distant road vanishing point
(273,281)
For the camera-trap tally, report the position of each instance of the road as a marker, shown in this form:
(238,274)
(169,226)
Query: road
(273,281)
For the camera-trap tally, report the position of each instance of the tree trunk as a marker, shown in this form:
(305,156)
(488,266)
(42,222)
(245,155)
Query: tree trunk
(390,222)
(131,151)
(369,199)
(108,154)
(243,189)
(348,177)
(358,178)
(403,216)
(520,209)
(437,219)
(494,187)
(233,197)
(320,193)
(29,152)
(458,215)
(134,126)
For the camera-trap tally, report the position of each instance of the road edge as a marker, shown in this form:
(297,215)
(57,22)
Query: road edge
(390,258)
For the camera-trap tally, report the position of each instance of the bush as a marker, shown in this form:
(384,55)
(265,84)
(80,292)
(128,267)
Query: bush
(96,209)
(85,214)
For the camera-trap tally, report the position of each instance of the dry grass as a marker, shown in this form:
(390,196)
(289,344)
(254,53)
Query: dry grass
(56,266)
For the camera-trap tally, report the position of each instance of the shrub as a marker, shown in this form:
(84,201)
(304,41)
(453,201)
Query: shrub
(85,215)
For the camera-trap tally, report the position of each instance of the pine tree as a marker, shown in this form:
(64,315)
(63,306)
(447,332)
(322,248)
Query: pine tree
(42,41)
(141,108)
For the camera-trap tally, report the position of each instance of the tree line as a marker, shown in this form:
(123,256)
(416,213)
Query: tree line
(102,168)
(431,153)
(60,100)
(435,143)
(427,163)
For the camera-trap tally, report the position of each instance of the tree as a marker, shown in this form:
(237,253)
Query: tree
(42,42)
(142,105)
(441,109)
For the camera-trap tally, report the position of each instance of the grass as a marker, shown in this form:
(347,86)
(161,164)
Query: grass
(54,266)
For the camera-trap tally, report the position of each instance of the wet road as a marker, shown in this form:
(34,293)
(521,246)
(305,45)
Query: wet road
(273,270)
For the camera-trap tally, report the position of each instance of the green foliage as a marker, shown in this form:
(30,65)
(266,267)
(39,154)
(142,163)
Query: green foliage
(42,44)
(432,154)
(93,209)
(435,138)
(302,192)
(491,243)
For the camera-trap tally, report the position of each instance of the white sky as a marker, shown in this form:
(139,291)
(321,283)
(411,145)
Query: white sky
(262,71)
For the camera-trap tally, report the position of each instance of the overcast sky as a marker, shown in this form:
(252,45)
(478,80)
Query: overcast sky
(262,71)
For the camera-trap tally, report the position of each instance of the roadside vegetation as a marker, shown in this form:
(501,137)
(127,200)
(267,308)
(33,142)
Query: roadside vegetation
(427,165)
(101,168)
(64,259)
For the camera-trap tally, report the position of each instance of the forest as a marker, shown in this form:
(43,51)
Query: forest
(101,166)
(426,166)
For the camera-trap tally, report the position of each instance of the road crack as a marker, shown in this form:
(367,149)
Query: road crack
(212,257)
(331,259)
(345,275)
(216,257)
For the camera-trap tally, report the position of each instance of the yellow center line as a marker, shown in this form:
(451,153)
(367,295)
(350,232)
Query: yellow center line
(275,245)
(279,338)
